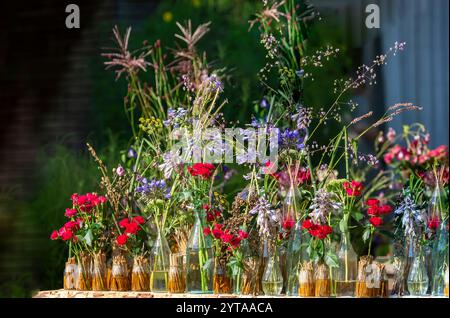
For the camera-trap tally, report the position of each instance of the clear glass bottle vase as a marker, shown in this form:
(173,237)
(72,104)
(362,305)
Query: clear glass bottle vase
(160,264)
(439,259)
(418,277)
(345,275)
(272,279)
(199,260)
(294,259)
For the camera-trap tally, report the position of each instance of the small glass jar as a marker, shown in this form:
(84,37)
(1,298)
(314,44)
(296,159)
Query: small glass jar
(177,276)
(418,277)
(120,280)
(272,280)
(70,273)
(99,271)
(84,279)
(140,274)
(322,281)
(160,264)
(306,283)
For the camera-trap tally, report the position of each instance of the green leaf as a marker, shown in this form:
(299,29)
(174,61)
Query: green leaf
(331,259)
(88,237)
(358,216)
(366,234)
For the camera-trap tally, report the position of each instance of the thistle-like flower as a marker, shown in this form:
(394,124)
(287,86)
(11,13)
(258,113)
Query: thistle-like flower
(412,217)
(267,217)
(322,205)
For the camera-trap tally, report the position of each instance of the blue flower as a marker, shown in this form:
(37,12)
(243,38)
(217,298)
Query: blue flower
(131,153)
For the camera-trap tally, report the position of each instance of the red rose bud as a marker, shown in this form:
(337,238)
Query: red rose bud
(132,228)
(122,239)
(373,202)
(376,221)
(207,231)
(70,212)
(54,235)
(123,223)
(139,219)
(433,224)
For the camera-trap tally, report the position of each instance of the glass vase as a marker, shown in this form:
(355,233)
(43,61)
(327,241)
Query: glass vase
(306,283)
(99,271)
(417,276)
(439,259)
(345,275)
(222,281)
(199,260)
(249,280)
(322,283)
(272,279)
(160,265)
(140,274)
(177,277)
(293,259)
(84,279)
(70,273)
(120,280)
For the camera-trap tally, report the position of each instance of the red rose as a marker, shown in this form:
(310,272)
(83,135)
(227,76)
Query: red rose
(209,217)
(217,233)
(132,228)
(207,231)
(203,170)
(288,224)
(372,202)
(123,223)
(373,211)
(122,239)
(70,212)
(385,209)
(242,234)
(433,224)
(226,237)
(307,224)
(376,221)
(235,241)
(71,225)
(139,219)
(353,189)
(66,234)
(54,235)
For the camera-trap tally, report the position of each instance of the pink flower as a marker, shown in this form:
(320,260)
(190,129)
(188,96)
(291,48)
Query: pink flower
(54,235)
(120,171)
(70,212)
(243,235)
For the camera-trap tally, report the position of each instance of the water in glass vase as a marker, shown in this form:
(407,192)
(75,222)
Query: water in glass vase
(272,288)
(199,281)
(418,288)
(345,288)
(159,281)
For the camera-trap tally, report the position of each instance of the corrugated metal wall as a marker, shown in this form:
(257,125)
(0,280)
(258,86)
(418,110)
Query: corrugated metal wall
(421,74)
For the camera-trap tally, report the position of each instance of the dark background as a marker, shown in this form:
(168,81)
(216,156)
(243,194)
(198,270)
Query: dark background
(55,95)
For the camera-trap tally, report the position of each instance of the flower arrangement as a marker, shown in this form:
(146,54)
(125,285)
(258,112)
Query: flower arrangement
(291,229)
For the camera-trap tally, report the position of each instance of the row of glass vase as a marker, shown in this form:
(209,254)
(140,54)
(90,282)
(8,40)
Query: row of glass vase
(272,271)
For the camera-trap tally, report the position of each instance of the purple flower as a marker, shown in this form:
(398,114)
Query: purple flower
(264,103)
(131,153)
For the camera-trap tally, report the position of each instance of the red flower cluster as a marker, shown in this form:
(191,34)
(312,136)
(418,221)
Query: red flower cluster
(433,223)
(204,170)
(317,230)
(218,232)
(376,211)
(132,227)
(211,214)
(353,189)
(416,154)
(67,231)
(86,202)
(284,177)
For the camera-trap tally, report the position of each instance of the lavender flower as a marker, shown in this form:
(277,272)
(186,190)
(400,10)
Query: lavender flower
(131,153)
(267,219)
(175,117)
(264,103)
(412,217)
(322,205)
(293,138)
